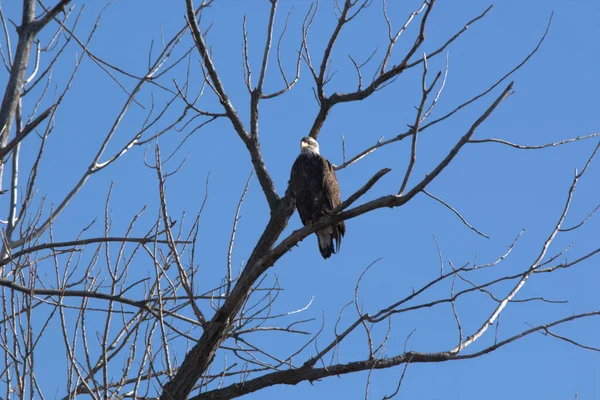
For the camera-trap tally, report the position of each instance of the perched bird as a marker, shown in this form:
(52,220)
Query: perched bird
(316,191)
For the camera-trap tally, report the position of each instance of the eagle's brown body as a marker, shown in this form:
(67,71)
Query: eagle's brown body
(316,192)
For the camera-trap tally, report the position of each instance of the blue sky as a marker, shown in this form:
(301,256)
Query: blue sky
(498,189)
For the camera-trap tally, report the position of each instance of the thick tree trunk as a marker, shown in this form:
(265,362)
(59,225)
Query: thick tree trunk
(202,354)
(15,85)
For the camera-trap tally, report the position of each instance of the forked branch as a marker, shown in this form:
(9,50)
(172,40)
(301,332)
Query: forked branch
(251,142)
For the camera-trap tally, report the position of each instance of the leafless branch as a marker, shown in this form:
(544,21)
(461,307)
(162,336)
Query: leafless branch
(472,338)
(464,221)
(250,142)
(171,241)
(233,231)
(535,147)
(582,222)
(309,373)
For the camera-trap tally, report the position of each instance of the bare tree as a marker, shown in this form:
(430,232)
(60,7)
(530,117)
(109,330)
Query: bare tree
(133,311)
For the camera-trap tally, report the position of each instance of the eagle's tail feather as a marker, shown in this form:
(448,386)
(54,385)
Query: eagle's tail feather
(325,240)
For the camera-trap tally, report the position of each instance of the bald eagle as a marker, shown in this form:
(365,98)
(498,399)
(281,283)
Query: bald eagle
(315,189)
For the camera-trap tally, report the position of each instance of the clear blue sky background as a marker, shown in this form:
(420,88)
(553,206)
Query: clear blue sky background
(499,190)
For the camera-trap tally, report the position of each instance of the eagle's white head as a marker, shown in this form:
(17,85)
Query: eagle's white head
(309,145)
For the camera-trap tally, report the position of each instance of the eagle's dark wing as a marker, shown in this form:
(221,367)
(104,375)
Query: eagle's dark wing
(331,188)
